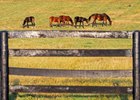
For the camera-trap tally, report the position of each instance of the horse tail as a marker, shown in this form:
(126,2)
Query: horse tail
(24,22)
(109,19)
(51,20)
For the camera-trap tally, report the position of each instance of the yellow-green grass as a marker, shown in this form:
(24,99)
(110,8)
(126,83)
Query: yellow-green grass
(74,63)
(68,96)
(124,17)
(26,80)
(70,43)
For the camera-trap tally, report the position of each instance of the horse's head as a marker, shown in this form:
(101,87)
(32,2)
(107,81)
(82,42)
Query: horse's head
(110,22)
(87,21)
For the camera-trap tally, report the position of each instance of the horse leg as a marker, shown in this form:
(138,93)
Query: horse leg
(51,24)
(76,24)
(106,23)
(83,24)
(93,23)
(27,25)
(80,24)
(33,24)
(103,24)
(59,23)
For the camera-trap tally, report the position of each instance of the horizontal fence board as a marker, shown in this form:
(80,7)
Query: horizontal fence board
(70,33)
(72,89)
(71,52)
(70,73)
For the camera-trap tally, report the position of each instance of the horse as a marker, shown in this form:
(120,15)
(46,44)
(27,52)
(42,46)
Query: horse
(80,20)
(54,19)
(66,20)
(30,19)
(100,17)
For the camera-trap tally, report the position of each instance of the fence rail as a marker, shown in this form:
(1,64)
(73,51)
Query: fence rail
(71,52)
(70,73)
(73,89)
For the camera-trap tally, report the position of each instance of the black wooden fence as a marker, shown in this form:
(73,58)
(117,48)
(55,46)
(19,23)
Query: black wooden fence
(69,89)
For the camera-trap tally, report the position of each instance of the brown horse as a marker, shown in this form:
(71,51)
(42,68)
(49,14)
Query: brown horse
(55,20)
(100,17)
(66,20)
(30,19)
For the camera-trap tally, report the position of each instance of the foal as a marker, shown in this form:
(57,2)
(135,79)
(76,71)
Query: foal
(30,19)
(80,20)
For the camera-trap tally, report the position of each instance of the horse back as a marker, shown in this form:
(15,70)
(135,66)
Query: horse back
(54,19)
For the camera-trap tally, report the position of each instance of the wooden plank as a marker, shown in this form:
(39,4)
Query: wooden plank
(69,33)
(71,52)
(72,89)
(70,73)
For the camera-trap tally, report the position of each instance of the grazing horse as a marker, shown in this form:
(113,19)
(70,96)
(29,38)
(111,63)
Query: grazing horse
(100,17)
(66,20)
(80,20)
(54,19)
(30,19)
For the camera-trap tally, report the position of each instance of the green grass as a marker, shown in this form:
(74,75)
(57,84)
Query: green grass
(70,43)
(124,17)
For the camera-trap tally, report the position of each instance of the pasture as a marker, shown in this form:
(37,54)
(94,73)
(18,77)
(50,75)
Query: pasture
(74,63)
(124,17)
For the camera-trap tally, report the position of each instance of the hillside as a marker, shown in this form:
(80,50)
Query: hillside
(125,14)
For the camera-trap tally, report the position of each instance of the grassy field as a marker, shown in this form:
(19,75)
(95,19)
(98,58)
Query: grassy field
(70,43)
(124,17)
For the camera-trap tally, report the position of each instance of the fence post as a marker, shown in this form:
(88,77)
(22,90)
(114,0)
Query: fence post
(136,65)
(4,88)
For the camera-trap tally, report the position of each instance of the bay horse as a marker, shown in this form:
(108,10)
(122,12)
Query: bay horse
(55,20)
(100,17)
(81,20)
(65,20)
(27,20)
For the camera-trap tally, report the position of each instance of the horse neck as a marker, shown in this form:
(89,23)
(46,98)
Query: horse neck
(108,18)
(90,17)
(71,21)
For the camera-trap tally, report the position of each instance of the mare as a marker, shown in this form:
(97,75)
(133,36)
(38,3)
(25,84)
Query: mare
(27,20)
(65,20)
(55,20)
(80,20)
(100,17)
